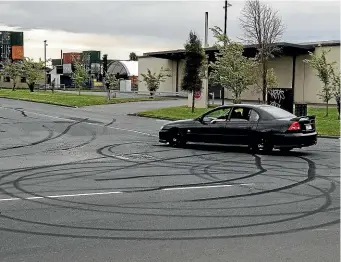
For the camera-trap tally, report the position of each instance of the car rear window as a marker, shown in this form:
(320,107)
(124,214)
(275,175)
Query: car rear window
(277,112)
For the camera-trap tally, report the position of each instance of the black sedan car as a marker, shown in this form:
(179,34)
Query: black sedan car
(257,126)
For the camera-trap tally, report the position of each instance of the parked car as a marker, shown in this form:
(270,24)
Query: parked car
(258,126)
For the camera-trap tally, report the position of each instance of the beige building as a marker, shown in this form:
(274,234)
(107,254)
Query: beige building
(5,82)
(289,68)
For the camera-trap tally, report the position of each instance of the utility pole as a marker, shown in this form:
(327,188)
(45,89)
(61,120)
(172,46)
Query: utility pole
(227,4)
(225,20)
(206,46)
(45,44)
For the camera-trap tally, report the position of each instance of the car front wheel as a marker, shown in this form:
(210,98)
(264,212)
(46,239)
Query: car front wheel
(177,139)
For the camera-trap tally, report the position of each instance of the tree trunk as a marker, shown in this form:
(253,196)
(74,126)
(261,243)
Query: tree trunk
(108,95)
(264,75)
(31,87)
(193,101)
(327,109)
(338,105)
(79,91)
(13,87)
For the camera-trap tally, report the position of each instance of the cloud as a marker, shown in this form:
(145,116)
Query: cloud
(119,27)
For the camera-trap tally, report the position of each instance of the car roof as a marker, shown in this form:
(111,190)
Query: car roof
(245,105)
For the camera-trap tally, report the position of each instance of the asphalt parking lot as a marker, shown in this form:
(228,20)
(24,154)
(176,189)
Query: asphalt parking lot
(94,184)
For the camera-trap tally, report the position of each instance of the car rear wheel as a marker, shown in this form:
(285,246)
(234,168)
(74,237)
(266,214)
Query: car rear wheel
(177,139)
(263,144)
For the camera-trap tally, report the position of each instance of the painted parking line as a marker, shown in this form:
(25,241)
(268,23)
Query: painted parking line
(163,121)
(62,196)
(203,187)
(118,192)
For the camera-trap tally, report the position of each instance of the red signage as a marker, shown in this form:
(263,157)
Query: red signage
(197,94)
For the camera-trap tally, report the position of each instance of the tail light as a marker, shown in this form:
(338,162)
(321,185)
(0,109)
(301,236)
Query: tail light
(295,126)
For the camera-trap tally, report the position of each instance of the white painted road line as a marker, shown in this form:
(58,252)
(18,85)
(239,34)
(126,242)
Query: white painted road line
(93,124)
(117,192)
(203,187)
(122,157)
(162,121)
(61,196)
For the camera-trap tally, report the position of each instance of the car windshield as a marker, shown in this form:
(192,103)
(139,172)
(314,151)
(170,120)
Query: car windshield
(277,112)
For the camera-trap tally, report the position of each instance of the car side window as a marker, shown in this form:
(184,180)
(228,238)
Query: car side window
(240,114)
(220,113)
(253,116)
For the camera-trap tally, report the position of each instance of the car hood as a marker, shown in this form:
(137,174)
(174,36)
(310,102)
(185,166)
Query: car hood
(179,123)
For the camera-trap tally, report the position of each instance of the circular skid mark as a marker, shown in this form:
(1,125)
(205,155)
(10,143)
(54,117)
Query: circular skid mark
(135,157)
(283,201)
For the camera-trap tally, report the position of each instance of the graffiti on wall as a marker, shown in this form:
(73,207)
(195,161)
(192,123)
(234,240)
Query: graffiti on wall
(276,96)
(281,97)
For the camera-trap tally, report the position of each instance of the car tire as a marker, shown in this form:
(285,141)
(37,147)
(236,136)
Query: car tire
(263,144)
(254,148)
(267,146)
(177,139)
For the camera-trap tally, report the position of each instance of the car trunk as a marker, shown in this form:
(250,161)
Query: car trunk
(307,123)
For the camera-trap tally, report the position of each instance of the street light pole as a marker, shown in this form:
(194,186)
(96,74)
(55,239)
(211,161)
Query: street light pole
(45,75)
(227,4)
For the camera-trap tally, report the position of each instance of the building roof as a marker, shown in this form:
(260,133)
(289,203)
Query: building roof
(132,67)
(129,68)
(289,49)
(323,43)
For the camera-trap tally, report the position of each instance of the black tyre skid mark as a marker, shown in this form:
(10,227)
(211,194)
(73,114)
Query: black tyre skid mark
(310,177)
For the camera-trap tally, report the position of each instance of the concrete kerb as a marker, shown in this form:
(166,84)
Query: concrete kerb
(174,119)
(41,102)
(329,137)
(57,104)
(153,117)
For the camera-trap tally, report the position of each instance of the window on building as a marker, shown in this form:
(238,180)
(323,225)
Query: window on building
(7,79)
(23,79)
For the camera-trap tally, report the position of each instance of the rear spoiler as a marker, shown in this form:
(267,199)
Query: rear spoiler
(298,118)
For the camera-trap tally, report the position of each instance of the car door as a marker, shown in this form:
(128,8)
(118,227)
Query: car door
(212,128)
(242,125)
(254,118)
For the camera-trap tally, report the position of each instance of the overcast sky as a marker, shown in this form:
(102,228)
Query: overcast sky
(118,28)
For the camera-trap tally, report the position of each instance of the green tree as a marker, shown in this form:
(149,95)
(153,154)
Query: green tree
(13,70)
(336,82)
(80,76)
(33,71)
(336,85)
(231,68)
(110,82)
(105,64)
(325,72)
(194,63)
(263,27)
(271,79)
(133,56)
(153,80)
